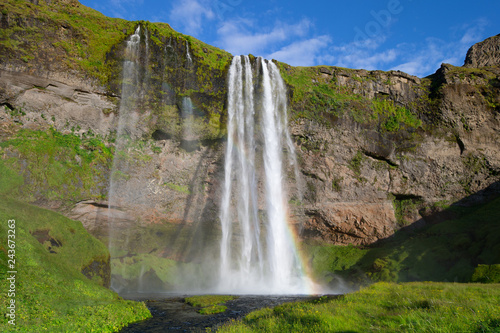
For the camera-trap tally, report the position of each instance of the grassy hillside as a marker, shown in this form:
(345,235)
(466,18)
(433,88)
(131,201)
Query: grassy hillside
(51,292)
(461,249)
(61,34)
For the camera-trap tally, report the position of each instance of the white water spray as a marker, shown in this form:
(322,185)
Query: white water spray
(251,263)
(127,122)
(188,56)
(187,118)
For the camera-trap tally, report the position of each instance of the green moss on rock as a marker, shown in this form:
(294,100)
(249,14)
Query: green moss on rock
(56,166)
(486,274)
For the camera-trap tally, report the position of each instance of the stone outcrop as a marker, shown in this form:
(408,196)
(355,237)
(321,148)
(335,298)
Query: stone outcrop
(485,53)
(355,223)
(57,104)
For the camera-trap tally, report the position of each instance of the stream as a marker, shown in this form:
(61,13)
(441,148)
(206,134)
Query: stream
(172,314)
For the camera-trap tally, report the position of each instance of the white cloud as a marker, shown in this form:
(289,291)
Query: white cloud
(434,52)
(120,8)
(301,53)
(418,59)
(473,33)
(189,15)
(423,59)
(361,55)
(237,36)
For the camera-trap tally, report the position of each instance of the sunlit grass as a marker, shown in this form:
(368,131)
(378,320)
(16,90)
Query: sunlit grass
(52,295)
(210,304)
(386,307)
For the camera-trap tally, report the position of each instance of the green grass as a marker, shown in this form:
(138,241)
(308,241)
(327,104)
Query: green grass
(57,166)
(322,99)
(51,292)
(386,307)
(393,118)
(327,261)
(169,271)
(208,300)
(179,188)
(156,251)
(487,274)
(355,163)
(213,309)
(404,208)
(88,35)
(317,98)
(210,304)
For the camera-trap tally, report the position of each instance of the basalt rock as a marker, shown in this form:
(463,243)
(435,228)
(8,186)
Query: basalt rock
(346,223)
(485,53)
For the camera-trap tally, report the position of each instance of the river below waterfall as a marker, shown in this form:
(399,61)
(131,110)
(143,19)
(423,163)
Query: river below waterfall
(172,314)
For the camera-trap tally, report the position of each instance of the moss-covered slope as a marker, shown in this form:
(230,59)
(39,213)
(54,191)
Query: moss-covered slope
(66,35)
(51,255)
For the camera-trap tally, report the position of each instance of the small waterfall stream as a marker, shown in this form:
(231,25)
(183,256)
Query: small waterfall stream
(127,122)
(189,60)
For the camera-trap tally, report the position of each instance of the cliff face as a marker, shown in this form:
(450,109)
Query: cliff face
(483,54)
(377,150)
(365,179)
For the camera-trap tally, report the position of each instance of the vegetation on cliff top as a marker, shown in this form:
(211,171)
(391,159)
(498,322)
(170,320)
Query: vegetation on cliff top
(64,34)
(67,35)
(318,96)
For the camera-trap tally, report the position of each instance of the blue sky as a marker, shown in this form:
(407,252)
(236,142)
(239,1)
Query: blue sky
(414,36)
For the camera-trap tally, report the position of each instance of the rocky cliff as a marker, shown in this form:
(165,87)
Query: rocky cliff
(377,150)
(396,150)
(483,54)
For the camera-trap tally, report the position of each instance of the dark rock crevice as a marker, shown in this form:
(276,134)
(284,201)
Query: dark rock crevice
(460,144)
(380,158)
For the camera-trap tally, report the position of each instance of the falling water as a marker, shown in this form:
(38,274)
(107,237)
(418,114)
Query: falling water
(126,125)
(188,56)
(129,94)
(250,262)
(187,118)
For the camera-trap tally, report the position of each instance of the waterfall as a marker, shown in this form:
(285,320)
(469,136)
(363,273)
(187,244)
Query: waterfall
(130,81)
(127,122)
(129,95)
(258,253)
(187,118)
(188,56)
